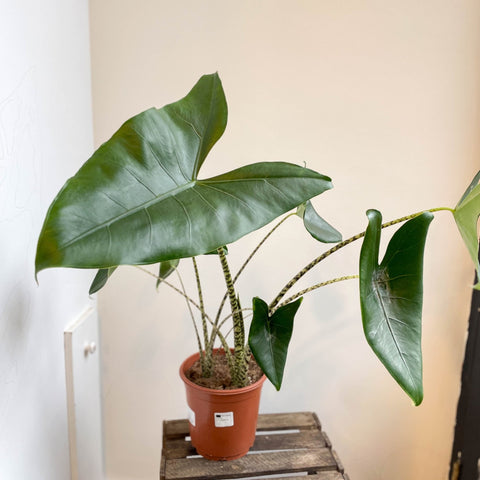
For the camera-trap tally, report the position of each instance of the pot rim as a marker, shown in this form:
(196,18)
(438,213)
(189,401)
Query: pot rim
(234,391)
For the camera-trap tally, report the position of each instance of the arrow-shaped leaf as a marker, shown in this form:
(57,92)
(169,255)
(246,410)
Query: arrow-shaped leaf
(138,199)
(391,296)
(466,215)
(269,337)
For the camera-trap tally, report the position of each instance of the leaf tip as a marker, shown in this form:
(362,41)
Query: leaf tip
(417,399)
(372,213)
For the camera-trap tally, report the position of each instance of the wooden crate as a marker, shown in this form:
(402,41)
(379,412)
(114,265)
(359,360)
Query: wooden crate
(287,443)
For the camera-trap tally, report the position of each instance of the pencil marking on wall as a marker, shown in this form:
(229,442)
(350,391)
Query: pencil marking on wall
(19,192)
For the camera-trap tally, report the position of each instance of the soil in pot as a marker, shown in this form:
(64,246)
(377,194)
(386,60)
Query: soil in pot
(221,379)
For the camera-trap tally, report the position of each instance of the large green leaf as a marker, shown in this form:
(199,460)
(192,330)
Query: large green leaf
(269,337)
(466,215)
(391,296)
(138,199)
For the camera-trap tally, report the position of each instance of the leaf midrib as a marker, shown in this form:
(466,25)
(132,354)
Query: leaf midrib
(159,198)
(270,346)
(387,321)
(196,168)
(127,213)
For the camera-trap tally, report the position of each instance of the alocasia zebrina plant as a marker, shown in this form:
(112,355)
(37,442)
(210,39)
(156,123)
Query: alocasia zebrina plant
(139,200)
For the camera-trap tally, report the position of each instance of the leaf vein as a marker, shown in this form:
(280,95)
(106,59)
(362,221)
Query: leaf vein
(113,200)
(187,216)
(156,156)
(275,188)
(238,199)
(215,211)
(392,334)
(169,194)
(139,180)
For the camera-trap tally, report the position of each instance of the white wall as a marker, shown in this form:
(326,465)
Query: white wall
(45,133)
(381,95)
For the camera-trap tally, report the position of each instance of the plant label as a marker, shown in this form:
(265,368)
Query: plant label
(191,416)
(224,419)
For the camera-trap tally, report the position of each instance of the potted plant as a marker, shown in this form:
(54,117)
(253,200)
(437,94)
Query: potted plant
(139,201)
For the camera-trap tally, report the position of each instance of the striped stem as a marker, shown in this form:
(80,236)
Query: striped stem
(314,287)
(247,261)
(239,373)
(199,342)
(337,247)
(207,360)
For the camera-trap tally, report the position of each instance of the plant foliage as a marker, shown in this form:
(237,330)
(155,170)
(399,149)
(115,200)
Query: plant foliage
(139,200)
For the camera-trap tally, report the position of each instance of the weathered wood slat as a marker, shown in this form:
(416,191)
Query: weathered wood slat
(175,428)
(339,462)
(312,460)
(288,421)
(317,476)
(289,441)
(179,448)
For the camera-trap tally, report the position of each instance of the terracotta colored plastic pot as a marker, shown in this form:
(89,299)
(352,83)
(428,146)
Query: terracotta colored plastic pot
(222,422)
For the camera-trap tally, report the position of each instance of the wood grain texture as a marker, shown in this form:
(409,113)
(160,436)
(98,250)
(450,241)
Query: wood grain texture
(179,448)
(319,476)
(285,444)
(289,461)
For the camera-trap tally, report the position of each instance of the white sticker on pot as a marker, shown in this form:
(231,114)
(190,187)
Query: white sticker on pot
(223,419)
(191,415)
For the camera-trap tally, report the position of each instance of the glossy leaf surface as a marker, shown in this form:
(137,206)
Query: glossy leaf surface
(138,199)
(391,296)
(466,215)
(316,226)
(269,337)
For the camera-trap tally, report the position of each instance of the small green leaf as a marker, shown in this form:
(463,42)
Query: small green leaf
(316,226)
(466,215)
(269,337)
(101,279)
(165,269)
(391,296)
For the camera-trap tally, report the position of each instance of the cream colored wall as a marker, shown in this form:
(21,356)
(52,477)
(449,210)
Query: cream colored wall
(382,96)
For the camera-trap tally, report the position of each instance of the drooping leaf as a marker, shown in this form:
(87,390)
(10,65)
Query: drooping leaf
(391,296)
(466,215)
(269,337)
(165,269)
(316,226)
(138,199)
(101,279)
